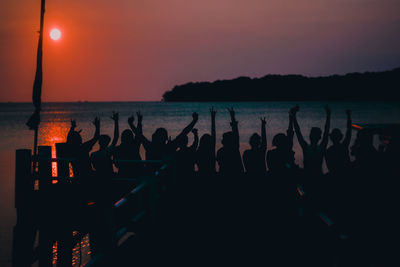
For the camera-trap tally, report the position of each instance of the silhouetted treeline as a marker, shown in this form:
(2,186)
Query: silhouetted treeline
(352,86)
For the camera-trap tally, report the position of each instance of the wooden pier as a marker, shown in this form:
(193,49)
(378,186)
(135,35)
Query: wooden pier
(52,209)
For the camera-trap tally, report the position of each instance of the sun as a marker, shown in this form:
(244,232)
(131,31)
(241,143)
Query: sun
(55,34)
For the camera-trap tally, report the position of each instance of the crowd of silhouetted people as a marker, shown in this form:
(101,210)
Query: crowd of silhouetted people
(200,158)
(355,197)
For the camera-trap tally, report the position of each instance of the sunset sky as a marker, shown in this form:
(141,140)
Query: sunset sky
(132,50)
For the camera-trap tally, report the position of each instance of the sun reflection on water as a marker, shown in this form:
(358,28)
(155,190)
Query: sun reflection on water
(80,252)
(51,134)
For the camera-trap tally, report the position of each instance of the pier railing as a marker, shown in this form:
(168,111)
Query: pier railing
(52,204)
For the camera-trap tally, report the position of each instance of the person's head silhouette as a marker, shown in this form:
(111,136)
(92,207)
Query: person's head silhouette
(365,138)
(104,141)
(315,135)
(205,141)
(255,141)
(160,136)
(227,139)
(363,148)
(74,139)
(127,137)
(336,136)
(280,141)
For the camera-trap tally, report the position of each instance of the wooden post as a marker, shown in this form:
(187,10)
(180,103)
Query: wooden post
(45,227)
(44,169)
(23,179)
(62,166)
(64,247)
(24,230)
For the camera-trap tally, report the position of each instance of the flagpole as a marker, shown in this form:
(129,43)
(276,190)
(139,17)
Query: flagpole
(34,121)
(35,141)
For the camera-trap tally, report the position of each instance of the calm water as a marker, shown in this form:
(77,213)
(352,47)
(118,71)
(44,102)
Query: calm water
(173,116)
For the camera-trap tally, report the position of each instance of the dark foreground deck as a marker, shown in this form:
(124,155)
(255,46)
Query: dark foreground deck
(158,220)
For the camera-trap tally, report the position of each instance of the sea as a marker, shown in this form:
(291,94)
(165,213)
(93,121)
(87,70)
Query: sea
(56,117)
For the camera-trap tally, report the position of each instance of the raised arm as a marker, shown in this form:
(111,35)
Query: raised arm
(138,132)
(115,118)
(325,137)
(139,128)
(89,144)
(213,131)
(263,135)
(213,137)
(195,139)
(235,128)
(134,129)
(347,138)
(139,124)
(188,128)
(300,138)
(290,132)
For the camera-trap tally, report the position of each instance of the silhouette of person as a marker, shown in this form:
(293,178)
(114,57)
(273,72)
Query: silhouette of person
(388,197)
(129,149)
(314,152)
(205,155)
(101,232)
(81,166)
(80,151)
(186,156)
(228,156)
(254,158)
(290,134)
(281,159)
(337,155)
(101,160)
(365,197)
(160,148)
(364,151)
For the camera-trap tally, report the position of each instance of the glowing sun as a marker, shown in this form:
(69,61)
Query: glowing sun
(55,34)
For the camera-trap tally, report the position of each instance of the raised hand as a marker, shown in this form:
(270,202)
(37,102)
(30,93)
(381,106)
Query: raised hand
(231,112)
(131,119)
(96,122)
(213,112)
(195,116)
(139,116)
(263,121)
(348,112)
(115,116)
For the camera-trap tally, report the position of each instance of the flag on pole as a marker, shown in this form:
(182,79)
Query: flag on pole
(34,120)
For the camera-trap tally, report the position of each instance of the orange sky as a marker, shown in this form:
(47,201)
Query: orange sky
(136,49)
